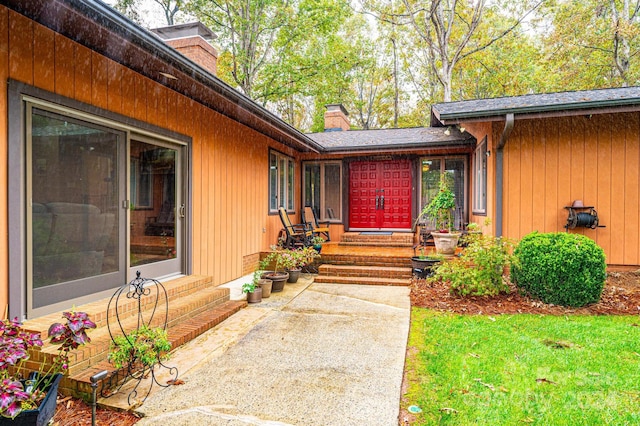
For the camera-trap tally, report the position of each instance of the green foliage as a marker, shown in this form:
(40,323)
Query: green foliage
(502,370)
(145,345)
(440,208)
(560,268)
(479,270)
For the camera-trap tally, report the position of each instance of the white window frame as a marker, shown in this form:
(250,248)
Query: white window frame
(480,178)
(324,217)
(281,182)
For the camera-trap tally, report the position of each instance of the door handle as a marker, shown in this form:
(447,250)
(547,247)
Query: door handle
(182,211)
(382,202)
(377,201)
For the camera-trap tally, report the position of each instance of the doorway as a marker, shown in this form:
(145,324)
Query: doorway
(380,195)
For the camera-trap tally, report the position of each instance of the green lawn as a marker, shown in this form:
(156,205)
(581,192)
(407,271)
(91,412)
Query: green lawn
(524,369)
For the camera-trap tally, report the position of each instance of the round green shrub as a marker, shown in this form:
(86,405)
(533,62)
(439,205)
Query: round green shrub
(559,268)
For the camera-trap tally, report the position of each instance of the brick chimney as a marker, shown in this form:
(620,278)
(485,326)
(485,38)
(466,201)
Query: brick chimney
(335,118)
(192,40)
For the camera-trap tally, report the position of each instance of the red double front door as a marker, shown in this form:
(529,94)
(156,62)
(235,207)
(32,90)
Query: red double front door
(380,194)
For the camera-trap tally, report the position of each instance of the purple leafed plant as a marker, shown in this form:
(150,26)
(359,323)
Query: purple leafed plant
(15,344)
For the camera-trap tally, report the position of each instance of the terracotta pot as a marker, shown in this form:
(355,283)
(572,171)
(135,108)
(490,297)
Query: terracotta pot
(265,285)
(278,279)
(294,274)
(255,296)
(446,242)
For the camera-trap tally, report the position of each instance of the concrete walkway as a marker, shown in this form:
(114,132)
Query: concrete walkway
(315,354)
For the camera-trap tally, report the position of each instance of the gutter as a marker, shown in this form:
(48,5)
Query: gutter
(506,132)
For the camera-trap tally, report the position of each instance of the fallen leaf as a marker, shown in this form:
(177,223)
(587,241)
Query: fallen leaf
(449,410)
(503,389)
(487,385)
(474,355)
(543,380)
(175,382)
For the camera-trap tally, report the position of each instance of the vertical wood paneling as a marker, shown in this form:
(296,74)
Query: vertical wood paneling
(526,177)
(539,172)
(632,190)
(82,74)
(215,192)
(65,58)
(580,141)
(4,75)
(20,48)
(603,185)
(100,81)
(566,133)
(140,97)
(128,92)
(617,188)
(513,182)
(44,48)
(552,209)
(201,200)
(114,85)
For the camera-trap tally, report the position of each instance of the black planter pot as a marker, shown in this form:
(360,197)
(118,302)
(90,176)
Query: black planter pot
(278,279)
(41,415)
(423,268)
(294,275)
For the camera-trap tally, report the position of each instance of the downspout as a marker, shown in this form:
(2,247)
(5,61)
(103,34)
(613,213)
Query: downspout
(508,127)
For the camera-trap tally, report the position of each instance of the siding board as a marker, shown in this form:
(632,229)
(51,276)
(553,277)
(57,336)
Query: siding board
(565,167)
(4,230)
(44,58)
(114,86)
(100,81)
(20,48)
(64,60)
(617,189)
(604,188)
(82,74)
(632,190)
(552,208)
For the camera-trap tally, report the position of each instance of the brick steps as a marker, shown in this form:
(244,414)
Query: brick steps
(366,260)
(364,274)
(396,239)
(194,306)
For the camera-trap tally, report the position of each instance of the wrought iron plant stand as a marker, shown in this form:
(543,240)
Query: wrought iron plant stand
(149,297)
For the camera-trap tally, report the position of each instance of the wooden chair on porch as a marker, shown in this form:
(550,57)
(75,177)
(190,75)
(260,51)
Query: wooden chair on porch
(309,217)
(297,235)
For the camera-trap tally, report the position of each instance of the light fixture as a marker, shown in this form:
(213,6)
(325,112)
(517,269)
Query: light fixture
(169,76)
(447,132)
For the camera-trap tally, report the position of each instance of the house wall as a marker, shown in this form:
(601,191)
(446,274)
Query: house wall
(480,131)
(549,163)
(229,161)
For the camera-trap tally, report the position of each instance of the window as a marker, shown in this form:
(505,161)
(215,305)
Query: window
(323,189)
(480,178)
(281,189)
(430,178)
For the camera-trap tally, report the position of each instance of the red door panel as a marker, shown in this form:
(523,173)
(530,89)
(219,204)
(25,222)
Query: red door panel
(380,194)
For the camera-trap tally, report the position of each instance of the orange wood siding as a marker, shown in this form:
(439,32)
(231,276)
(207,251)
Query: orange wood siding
(4,230)
(549,163)
(229,166)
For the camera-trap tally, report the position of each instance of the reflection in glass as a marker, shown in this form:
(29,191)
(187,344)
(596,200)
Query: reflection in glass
(153,203)
(74,194)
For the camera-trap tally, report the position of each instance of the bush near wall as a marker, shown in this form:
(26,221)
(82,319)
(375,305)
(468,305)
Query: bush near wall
(559,268)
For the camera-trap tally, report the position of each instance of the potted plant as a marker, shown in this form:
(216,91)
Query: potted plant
(253,291)
(278,276)
(422,264)
(317,242)
(32,400)
(440,210)
(263,283)
(290,261)
(144,345)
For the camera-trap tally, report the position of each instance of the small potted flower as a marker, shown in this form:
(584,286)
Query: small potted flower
(317,242)
(30,397)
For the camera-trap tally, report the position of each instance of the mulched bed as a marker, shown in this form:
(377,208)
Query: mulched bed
(72,412)
(621,296)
